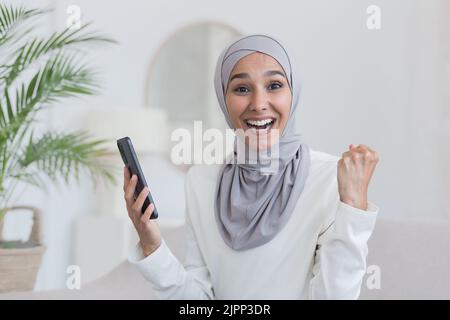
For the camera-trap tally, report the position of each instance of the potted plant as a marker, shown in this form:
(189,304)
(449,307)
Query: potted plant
(36,72)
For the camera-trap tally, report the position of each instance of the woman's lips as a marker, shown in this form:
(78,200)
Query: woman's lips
(260,125)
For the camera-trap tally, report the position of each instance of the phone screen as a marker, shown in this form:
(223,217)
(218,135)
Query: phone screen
(131,161)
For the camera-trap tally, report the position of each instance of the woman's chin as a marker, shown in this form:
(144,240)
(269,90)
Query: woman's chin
(262,139)
(259,147)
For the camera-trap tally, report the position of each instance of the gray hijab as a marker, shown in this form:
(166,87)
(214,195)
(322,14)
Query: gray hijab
(253,202)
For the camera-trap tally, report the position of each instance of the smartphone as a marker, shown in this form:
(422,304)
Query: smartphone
(130,160)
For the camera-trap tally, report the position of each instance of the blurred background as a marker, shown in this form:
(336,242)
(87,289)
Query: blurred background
(386,87)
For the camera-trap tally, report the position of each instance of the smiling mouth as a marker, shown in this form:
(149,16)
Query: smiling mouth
(265,124)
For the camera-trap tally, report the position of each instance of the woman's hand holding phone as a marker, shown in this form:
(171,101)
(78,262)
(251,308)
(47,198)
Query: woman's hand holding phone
(148,230)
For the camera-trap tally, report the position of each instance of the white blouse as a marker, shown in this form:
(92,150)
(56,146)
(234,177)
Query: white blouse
(319,254)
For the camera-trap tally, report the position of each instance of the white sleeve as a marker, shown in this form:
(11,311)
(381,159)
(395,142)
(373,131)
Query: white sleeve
(341,252)
(170,278)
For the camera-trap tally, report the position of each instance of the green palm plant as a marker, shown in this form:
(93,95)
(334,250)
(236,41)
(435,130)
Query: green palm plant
(54,73)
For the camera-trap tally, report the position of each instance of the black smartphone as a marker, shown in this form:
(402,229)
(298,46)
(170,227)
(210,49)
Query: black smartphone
(130,160)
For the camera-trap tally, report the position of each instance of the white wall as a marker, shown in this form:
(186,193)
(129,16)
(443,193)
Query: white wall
(385,88)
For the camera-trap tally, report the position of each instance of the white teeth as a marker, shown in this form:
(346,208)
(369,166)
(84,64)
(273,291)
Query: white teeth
(259,122)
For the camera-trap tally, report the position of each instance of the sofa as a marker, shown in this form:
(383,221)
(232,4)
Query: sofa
(408,259)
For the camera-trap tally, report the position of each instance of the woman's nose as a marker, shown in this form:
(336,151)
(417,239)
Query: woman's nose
(259,102)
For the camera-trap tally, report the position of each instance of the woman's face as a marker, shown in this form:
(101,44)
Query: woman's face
(258,98)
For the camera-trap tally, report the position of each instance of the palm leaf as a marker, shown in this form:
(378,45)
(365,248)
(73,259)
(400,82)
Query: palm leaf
(38,48)
(58,74)
(60,77)
(59,155)
(11,17)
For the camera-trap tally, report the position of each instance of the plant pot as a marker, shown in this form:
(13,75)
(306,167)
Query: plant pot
(20,263)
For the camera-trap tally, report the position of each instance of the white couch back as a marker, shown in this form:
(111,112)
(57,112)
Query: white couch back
(411,256)
(411,259)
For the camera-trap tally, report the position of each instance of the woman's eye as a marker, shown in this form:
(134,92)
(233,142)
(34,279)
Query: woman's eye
(275,86)
(241,89)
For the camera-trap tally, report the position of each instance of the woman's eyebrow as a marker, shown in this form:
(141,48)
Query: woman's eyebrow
(273,73)
(267,74)
(239,75)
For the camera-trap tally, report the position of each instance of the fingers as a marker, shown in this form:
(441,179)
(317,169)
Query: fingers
(148,213)
(360,148)
(361,151)
(137,206)
(129,190)
(367,152)
(126,177)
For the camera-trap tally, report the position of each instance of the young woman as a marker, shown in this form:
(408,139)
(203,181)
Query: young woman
(294,229)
